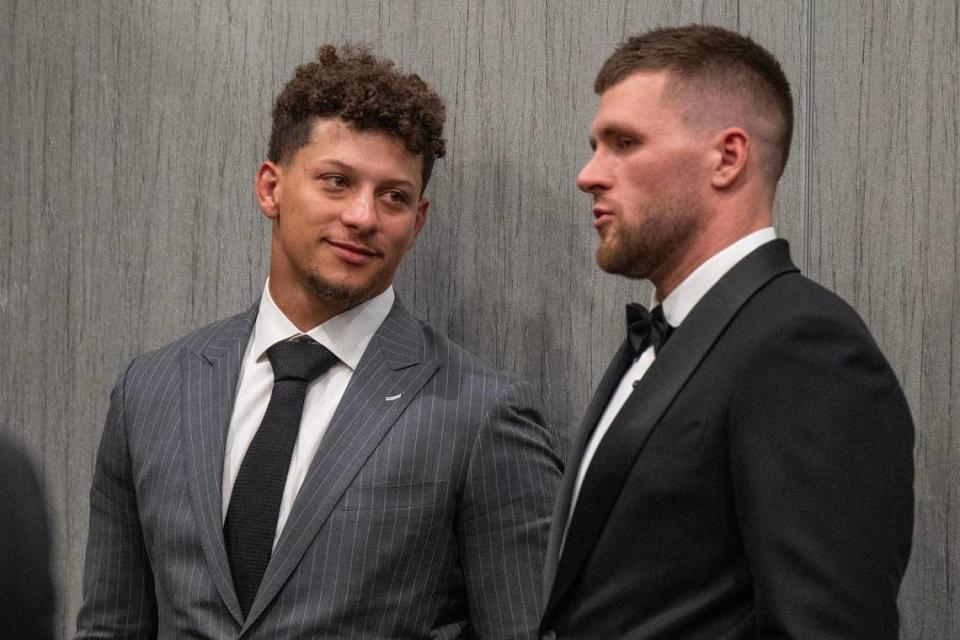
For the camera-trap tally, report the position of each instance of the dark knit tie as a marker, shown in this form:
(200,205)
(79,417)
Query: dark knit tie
(251,522)
(646,328)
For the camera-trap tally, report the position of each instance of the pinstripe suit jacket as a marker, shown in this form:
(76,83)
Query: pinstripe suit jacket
(425,516)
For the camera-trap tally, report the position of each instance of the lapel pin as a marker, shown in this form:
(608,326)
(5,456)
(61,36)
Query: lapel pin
(392,398)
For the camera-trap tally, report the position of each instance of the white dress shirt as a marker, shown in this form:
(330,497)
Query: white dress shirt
(347,336)
(675,309)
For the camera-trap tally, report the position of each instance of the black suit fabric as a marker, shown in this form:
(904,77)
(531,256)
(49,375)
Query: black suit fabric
(768,490)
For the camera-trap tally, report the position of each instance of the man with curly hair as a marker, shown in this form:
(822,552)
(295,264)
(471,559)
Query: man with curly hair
(324,465)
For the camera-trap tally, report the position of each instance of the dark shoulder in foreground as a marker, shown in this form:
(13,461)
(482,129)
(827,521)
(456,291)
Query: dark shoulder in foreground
(26,590)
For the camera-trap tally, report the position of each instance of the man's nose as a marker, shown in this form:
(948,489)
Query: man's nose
(594,175)
(361,212)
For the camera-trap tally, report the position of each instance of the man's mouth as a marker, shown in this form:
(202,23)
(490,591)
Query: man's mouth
(601,216)
(352,252)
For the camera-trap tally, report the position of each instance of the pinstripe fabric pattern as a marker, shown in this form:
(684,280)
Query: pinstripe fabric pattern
(422,516)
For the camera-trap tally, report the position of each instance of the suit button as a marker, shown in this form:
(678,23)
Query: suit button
(549,635)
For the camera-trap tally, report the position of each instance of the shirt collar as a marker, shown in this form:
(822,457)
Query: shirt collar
(689,292)
(346,335)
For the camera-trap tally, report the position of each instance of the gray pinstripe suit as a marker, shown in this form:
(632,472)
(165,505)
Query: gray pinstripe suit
(421,517)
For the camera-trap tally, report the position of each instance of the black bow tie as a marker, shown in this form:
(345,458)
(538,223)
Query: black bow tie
(646,328)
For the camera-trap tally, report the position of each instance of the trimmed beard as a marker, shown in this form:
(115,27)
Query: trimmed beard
(658,240)
(343,296)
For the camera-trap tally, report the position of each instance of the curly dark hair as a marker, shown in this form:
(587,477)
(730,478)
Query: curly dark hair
(366,91)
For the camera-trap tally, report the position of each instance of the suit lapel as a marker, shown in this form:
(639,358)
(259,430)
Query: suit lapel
(673,366)
(210,373)
(390,374)
(561,509)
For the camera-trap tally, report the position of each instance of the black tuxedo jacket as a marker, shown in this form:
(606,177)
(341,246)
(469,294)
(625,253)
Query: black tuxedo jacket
(756,484)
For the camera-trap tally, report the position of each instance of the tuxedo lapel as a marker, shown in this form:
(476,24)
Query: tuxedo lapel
(561,509)
(390,374)
(210,373)
(674,365)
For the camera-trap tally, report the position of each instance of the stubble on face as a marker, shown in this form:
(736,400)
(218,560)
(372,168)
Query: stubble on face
(339,295)
(339,227)
(654,242)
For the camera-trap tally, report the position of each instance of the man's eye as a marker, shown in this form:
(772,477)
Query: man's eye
(396,196)
(335,181)
(624,143)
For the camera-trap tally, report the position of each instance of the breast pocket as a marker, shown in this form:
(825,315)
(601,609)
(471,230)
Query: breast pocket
(391,496)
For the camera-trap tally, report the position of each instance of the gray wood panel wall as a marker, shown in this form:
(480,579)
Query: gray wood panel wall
(130,133)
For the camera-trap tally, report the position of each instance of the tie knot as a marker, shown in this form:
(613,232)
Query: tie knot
(299,359)
(646,328)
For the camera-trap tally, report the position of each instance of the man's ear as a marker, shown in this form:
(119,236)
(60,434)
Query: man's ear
(732,147)
(266,186)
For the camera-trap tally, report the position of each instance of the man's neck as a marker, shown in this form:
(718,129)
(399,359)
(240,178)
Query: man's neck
(685,296)
(701,248)
(303,307)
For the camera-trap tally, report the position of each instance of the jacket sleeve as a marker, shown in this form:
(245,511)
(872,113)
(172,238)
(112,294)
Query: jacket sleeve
(821,444)
(118,592)
(504,516)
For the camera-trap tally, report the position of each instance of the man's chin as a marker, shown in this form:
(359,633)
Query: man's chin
(610,259)
(345,296)
(616,262)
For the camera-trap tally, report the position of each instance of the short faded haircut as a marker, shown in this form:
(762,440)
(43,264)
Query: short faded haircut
(365,91)
(711,59)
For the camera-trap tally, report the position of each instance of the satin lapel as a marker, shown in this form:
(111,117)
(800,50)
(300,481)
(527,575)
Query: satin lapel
(561,508)
(210,372)
(390,374)
(674,365)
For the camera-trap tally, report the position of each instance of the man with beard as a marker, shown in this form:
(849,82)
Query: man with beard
(744,469)
(324,465)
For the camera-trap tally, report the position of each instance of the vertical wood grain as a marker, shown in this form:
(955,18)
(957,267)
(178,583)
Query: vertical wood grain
(131,132)
(883,233)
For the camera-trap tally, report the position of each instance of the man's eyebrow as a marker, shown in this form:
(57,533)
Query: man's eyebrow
(399,182)
(346,167)
(614,130)
(338,164)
